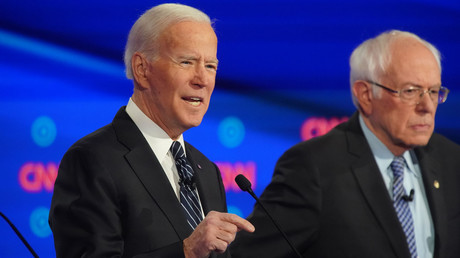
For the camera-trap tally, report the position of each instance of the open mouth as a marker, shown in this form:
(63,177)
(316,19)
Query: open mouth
(194,101)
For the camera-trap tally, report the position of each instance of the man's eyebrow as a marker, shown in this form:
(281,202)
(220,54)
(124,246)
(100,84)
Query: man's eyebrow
(188,57)
(214,60)
(437,85)
(194,58)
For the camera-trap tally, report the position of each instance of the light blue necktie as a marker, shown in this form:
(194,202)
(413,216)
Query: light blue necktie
(188,196)
(401,206)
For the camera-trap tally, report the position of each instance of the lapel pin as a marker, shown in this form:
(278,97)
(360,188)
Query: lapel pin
(436,184)
(198,165)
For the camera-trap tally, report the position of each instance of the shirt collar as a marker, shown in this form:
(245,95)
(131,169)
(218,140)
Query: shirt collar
(158,140)
(382,154)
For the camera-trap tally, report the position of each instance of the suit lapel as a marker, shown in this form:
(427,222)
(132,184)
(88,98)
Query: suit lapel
(433,183)
(149,171)
(206,183)
(373,187)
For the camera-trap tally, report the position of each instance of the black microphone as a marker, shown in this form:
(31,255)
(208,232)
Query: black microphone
(245,186)
(410,197)
(24,241)
(191,183)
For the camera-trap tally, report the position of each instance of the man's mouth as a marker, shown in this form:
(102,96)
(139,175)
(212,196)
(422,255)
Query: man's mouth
(421,127)
(194,101)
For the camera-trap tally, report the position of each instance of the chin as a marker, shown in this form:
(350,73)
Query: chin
(194,123)
(419,142)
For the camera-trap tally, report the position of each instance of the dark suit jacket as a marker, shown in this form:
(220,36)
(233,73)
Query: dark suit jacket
(330,198)
(112,198)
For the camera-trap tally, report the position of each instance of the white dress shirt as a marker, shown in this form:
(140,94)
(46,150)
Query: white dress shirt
(159,141)
(423,224)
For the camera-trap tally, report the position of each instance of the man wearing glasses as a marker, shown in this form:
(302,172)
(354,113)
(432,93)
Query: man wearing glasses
(380,185)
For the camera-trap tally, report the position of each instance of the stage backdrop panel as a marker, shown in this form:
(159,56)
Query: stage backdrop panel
(282,79)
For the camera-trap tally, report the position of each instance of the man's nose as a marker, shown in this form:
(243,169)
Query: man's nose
(427,101)
(201,76)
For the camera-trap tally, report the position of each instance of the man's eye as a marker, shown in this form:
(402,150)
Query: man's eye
(212,67)
(434,91)
(186,62)
(411,91)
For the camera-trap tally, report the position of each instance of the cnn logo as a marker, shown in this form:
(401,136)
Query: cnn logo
(37,177)
(317,126)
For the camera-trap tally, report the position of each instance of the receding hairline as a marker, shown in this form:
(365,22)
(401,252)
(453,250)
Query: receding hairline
(165,37)
(152,23)
(372,57)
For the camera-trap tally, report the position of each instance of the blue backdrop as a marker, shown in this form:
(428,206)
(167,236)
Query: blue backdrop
(283,78)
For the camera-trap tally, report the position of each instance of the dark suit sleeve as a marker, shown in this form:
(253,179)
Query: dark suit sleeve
(293,198)
(223,198)
(223,208)
(84,214)
(165,252)
(91,212)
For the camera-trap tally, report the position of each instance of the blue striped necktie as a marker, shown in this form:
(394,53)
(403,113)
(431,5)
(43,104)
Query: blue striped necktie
(188,196)
(401,206)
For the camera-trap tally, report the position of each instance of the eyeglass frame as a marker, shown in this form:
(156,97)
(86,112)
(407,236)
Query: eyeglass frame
(442,88)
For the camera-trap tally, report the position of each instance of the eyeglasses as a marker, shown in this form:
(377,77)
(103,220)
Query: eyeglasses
(412,94)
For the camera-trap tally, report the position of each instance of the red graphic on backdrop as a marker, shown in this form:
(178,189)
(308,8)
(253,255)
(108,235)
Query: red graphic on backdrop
(230,170)
(36,177)
(317,126)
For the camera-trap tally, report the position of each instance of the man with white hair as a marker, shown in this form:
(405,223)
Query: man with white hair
(379,185)
(135,188)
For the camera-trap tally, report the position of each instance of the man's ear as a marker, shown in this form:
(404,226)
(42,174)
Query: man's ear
(363,93)
(139,66)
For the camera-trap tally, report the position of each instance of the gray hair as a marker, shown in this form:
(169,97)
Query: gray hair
(147,29)
(370,60)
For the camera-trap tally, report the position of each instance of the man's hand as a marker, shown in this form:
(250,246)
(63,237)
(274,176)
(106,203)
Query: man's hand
(214,233)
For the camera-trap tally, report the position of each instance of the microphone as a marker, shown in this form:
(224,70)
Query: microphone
(188,182)
(192,183)
(24,241)
(245,186)
(410,197)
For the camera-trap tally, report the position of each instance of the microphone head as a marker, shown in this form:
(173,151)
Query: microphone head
(191,183)
(243,182)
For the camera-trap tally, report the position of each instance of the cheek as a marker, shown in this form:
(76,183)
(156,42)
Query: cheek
(210,89)
(403,127)
(212,83)
(396,122)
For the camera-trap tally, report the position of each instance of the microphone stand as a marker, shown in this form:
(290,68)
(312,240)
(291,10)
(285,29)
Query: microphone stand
(31,250)
(245,185)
